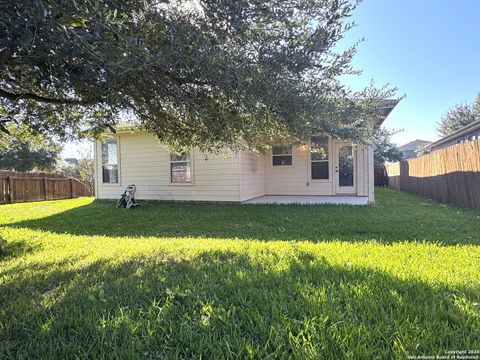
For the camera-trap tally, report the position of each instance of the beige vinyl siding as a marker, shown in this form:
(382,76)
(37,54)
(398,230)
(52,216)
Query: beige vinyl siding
(252,175)
(295,179)
(143,162)
(362,171)
(370,174)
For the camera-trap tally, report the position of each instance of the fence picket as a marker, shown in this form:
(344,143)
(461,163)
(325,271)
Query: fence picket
(449,175)
(23,187)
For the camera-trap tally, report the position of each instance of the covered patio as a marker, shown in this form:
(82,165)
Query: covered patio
(308,199)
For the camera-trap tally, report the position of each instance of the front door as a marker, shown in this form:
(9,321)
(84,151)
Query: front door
(345,169)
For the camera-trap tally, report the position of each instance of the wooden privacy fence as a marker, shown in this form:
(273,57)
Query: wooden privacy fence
(449,175)
(380,175)
(23,187)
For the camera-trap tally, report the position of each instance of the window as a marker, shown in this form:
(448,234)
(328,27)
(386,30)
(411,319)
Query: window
(281,155)
(181,168)
(110,161)
(319,158)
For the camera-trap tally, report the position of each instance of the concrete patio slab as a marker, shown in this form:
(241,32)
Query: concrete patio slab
(308,199)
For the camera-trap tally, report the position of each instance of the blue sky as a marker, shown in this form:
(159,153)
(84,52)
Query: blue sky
(429,50)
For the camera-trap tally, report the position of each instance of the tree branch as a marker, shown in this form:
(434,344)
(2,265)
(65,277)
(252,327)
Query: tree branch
(29,96)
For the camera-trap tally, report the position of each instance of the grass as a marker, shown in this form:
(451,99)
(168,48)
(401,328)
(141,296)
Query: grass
(81,279)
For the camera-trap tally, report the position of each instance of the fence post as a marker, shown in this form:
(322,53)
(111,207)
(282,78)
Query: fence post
(71,188)
(10,190)
(45,187)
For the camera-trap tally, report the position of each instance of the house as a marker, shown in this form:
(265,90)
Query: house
(469,132)
(71,161)
(410,150)
(324,166)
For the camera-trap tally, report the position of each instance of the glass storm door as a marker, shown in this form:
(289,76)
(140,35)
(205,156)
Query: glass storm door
(345,172)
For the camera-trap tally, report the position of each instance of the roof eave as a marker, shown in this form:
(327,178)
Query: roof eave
(472,126)
(385,108)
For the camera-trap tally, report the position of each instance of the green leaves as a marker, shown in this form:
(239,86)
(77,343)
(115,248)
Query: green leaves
(384,149)
(23,150)
(211,73)
(458,117)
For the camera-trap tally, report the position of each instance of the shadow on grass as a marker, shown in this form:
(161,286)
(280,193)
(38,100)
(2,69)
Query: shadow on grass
(18,248)
(228,305)
(396,217)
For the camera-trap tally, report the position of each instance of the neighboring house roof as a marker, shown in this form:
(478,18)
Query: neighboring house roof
(71,161)
(466,129)
(414,145)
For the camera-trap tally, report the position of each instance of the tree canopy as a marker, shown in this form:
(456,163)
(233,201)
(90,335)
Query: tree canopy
(83,170)
(458,117)
(207,73)
(383,148)
(21,150)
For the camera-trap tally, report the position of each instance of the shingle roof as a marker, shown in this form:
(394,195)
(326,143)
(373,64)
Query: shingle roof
(384,108)
(472,126)
(414,145)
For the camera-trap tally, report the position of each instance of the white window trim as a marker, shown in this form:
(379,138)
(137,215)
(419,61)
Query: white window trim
(119,182)
(330,147)
(273,155)
(192,172)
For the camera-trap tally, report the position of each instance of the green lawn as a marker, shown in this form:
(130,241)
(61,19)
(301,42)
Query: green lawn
(81,279)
